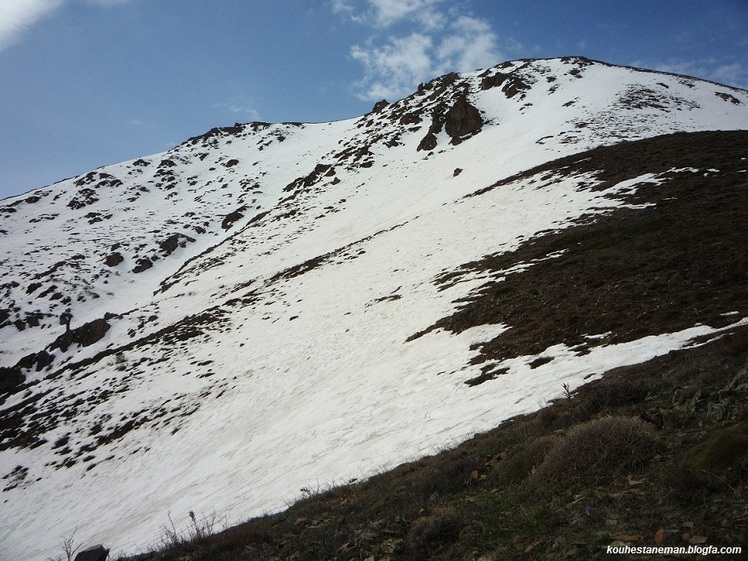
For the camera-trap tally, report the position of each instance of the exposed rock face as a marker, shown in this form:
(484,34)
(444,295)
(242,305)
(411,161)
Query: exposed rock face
(459,121)
(462,120)
(85,335)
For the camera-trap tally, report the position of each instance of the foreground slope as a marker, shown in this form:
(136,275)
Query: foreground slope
(268,308)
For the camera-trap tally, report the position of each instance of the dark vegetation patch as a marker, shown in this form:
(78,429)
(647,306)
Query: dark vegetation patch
(486,499)
(632,272)
(486,375)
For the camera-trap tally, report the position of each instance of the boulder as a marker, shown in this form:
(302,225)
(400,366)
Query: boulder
(114,259)
(142,264)
(93,553)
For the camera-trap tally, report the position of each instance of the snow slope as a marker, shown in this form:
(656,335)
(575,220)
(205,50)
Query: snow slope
(261,286)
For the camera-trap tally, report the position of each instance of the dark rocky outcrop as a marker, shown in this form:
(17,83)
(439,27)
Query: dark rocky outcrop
(142,264)
(41,360)
(10,379)
(320,170)
(462,120)
(85,335)
(93,553)
(380,105)
(429,141)
(511,83)
(232,217)
(459,121)
(114,259)
(170,244)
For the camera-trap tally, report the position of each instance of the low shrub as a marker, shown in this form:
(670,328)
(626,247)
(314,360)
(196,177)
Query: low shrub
(594,452)
(718,463)
(432,531)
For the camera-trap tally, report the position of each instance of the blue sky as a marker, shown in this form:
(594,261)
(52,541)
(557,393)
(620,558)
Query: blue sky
(84,83)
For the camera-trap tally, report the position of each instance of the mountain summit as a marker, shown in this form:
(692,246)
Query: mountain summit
(268,308)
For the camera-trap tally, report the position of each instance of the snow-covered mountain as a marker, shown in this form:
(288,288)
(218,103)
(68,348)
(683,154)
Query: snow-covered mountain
(268,308)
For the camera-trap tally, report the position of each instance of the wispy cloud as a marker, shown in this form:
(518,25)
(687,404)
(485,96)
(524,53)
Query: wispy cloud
(239,106)
(17,16)
(424,12)
(412,41)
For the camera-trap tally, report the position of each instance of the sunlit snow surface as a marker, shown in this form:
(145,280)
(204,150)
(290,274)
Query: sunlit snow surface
(300,376)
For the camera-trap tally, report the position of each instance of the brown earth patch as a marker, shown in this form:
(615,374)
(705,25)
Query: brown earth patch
(632,272)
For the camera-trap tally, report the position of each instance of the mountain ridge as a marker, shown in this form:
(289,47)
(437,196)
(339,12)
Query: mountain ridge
(209,279)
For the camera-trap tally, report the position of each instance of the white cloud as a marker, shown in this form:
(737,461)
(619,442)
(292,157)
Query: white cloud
(391,70)
(239,106)
(390,12)
(16,16)
(434,42)
(470,44)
